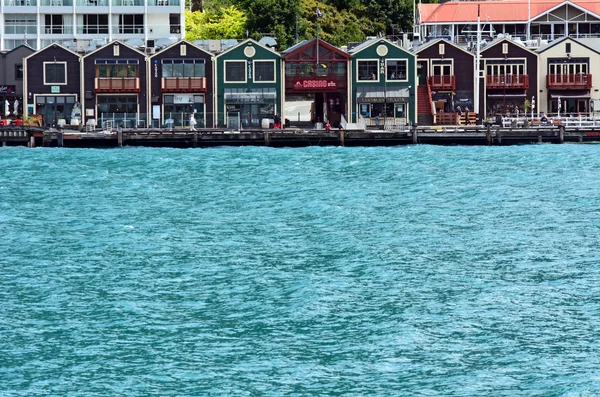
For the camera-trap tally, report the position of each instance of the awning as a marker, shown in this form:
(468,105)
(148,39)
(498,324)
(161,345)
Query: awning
(579,94)
(379,94)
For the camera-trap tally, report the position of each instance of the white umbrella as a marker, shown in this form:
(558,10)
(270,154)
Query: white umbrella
(6,108)
(16,111)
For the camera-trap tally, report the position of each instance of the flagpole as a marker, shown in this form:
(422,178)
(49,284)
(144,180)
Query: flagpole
(317,36)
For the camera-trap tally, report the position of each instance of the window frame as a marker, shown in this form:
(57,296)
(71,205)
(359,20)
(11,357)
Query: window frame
(245,74)
(377,74)
(273,61)
(405,79)
(55,63)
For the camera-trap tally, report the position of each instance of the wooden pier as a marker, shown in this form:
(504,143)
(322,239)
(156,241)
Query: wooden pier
(476,135)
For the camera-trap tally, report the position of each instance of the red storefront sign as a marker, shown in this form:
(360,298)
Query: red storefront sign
(314,84)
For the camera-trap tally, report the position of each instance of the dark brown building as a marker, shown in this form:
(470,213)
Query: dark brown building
(115,81)
(510,76)
(317,71)
(11,79)
(181,84)
(446,71)
(53,85)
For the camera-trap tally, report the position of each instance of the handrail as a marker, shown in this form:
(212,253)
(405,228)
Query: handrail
(430,97)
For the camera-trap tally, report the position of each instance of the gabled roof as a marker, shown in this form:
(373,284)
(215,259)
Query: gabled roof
(498,10)
(5,53)
(254,42)
(366,44)
(52,45)
(446,42)
(497,41)
(114,42)
(590,44)
(307,43)
(181,42)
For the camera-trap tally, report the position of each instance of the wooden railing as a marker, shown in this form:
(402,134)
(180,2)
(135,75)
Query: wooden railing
(445,83)
(117,84)
(183,84)
(569,81)
(430,98)
(507,81)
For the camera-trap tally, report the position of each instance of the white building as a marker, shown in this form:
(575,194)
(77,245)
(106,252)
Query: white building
(86,24)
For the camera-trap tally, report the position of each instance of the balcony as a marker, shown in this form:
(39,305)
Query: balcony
(117,84)
(569,81)
(507,81)
(183,84)
(442,83)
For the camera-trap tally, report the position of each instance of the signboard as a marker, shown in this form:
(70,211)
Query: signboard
(314,84)
(156,112)
(7,89)
(55,89)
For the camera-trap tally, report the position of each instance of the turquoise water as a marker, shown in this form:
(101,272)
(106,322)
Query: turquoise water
(406,271)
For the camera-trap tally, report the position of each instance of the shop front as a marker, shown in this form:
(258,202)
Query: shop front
(248,108)
(177,109)
(379,107)
(120,110)
(58,110)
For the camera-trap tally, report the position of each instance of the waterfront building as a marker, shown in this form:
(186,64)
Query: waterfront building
(510,77)
(11,79)
(115,79)
(383,83)
(248,86)
(318,72)
(534,22)
(565,79)
(445,78)
(81,25)
(181,84)
(53,86)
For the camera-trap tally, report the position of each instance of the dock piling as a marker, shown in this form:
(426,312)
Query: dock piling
(267,139)
(488,135)
(120,138)
(561,134)
(342,138)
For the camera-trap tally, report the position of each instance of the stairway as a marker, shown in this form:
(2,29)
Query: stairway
(424,116)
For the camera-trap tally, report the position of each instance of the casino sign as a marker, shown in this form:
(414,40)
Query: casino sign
(8,89)
(314,84)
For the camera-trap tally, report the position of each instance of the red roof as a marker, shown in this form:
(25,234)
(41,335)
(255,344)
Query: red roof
(495,10)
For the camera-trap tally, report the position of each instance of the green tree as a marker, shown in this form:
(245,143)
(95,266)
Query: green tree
(222,23)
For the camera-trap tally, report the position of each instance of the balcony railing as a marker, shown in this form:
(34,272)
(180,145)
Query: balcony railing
(117,84)
(92,3)
(163,3)
(20,3)
(183,84)
(569,81)
(442,83)
(56,2)
(508,81)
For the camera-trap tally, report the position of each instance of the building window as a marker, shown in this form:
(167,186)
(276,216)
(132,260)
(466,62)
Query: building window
(368,70)
(131,24)
(55,73)
(54,23)
(264,71)
(93,24)
(175,23)
(235,71)
(20,24)
(19,72)
(397,69)
(567,48)
(183,68)
(441,67)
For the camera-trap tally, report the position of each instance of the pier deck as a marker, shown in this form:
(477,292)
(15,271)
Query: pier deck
(476,135)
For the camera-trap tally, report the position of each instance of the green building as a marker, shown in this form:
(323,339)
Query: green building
(248,86)
(383,84)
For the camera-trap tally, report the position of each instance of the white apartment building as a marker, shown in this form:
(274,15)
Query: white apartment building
(84,25)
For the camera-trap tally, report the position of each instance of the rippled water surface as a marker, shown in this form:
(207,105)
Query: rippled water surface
(407,271)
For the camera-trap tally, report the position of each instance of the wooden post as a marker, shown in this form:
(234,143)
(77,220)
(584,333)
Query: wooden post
(415,138)
(499,136)
(267,139)
(120,138)
(488,135)
(342,138)
(195,141)
(540,140)
(561,134)
(580,138)
(60,139)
